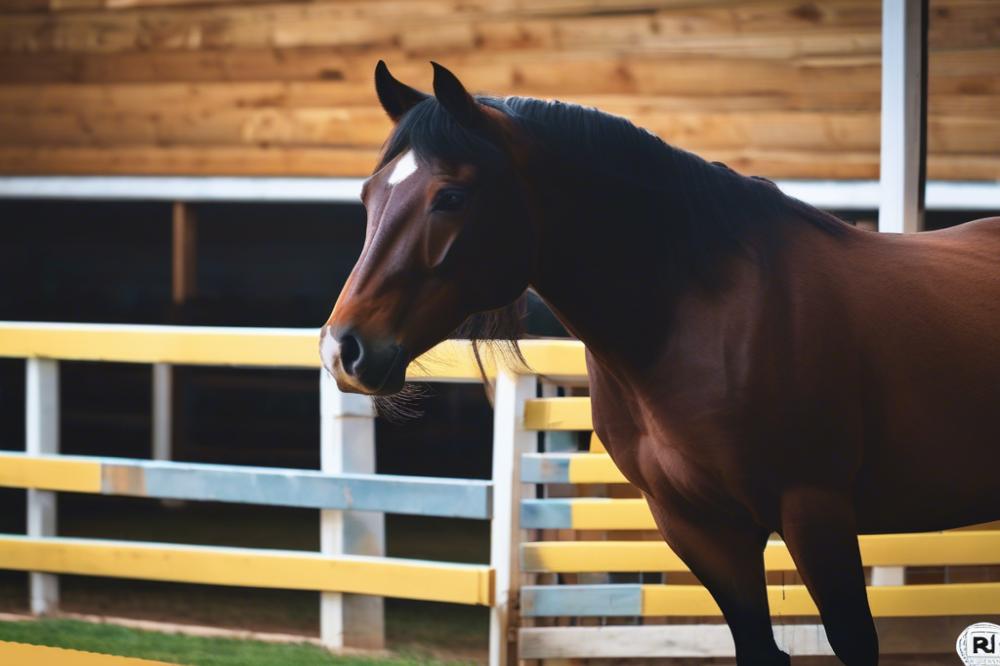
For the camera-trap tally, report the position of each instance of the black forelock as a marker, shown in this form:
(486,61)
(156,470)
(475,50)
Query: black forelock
(435,136)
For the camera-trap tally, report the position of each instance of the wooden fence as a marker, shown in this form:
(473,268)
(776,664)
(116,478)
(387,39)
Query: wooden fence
(535,582)
(913,618)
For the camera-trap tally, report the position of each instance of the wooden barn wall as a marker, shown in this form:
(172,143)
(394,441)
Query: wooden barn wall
(774,87)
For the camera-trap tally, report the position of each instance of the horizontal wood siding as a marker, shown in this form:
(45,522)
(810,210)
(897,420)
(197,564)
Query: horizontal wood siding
(782,88)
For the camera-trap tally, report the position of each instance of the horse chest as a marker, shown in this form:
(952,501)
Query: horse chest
(651,451)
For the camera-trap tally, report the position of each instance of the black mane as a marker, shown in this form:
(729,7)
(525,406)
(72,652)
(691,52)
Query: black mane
(701,210)
(709,205)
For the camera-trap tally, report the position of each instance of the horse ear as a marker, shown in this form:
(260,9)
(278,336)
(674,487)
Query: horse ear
(396,97)
(452,95)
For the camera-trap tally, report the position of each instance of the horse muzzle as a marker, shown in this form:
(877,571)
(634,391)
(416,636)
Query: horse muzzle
(361,364)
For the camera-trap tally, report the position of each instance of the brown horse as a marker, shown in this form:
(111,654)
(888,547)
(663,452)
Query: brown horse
(755,365)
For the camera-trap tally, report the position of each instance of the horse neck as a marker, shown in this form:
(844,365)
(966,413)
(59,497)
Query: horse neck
(599,268)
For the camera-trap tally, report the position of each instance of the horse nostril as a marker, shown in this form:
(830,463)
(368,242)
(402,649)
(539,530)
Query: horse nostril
(350,353)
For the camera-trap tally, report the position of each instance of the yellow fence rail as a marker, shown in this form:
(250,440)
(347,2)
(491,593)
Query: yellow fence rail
(254,347)
(519,416)
(963,548)
(289,570)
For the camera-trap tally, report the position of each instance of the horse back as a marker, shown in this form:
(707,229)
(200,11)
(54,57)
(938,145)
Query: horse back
(925,317)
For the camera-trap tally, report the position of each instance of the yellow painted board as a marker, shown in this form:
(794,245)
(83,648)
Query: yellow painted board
(934,600)
(594,468)
(150,344)
(925,549)
(19,654)
(599,556)
(81,476)
(596,445)
(956,548)
(789,600)
(555,358)
(599,513)
(390,577)
(558,414)
(673,600)
(621,514)
(453,359)
(272,347)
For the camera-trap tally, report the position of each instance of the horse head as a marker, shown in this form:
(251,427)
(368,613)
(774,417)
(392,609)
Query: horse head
(449,233)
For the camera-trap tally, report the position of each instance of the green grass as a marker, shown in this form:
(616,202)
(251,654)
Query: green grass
(187,650)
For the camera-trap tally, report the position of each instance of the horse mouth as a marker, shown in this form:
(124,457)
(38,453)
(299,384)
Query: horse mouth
(394,377)
(381,379)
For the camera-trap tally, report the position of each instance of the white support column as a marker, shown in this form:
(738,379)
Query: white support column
(42,436)
(163,413)
(888,576)
(347,444)
(510,441)
(904,109)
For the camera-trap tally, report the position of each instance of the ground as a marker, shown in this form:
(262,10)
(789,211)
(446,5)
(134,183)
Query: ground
(186,650)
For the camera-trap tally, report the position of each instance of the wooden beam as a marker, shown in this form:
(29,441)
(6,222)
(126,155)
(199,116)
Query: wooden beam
(42,434)
(184,284)
(367,127)
(347,446)
(20,653)
(413,495)
(586,513)
(246,567)
(215,160)
(784,600)
(349,162)
(910,636)
(965,548)
(50,473)
(570,468)
(451,360)
(443,26)
(511,441)
(558,414)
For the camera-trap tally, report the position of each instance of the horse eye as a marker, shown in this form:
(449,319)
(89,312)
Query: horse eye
(449,200)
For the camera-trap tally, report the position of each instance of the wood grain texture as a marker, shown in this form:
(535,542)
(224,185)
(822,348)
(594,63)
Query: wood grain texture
(773,87)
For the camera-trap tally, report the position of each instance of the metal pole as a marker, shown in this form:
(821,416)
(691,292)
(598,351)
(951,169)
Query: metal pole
(163,435)
(903,173)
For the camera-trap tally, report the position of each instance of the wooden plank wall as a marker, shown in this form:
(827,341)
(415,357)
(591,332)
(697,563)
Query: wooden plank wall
(783,88)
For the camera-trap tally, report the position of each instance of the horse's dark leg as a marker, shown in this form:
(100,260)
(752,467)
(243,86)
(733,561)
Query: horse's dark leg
(728,559)
(819,527)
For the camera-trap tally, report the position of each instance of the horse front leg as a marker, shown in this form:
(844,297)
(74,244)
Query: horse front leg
(728,559)
(818,526)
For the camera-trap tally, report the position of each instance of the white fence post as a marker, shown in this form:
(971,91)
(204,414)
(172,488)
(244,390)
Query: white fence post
(41,429)
(163,433)
(347,444)
(510,441)
(888,576)
(904,115)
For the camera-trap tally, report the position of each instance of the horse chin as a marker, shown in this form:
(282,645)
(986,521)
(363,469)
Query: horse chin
(392,384)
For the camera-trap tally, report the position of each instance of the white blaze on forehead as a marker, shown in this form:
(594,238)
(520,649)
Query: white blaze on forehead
(405,167)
